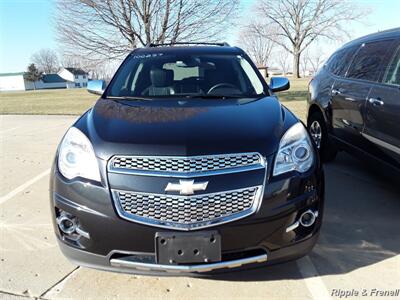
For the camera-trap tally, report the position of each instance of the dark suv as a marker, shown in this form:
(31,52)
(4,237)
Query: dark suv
(187,163)
(354,100)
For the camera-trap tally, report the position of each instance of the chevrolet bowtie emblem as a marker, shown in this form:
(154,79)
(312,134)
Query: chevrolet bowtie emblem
(186,187)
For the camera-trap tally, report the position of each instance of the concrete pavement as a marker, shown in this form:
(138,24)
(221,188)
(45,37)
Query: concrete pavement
(358,250)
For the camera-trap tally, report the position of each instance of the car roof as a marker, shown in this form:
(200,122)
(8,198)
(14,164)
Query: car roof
(189,50)
(381,35)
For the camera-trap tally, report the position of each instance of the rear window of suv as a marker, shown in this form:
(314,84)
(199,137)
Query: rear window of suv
(392,75)
(369,60)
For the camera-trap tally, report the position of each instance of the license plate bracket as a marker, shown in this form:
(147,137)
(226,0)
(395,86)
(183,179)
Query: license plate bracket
(187,248)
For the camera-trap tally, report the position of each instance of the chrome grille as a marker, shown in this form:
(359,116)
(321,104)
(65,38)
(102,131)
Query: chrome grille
(187,213)
(182,165)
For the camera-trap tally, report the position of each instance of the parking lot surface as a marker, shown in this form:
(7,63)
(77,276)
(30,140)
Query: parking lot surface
(357,253)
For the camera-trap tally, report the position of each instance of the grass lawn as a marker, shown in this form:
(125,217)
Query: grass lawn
(77,101)
(297,91)
(46,102)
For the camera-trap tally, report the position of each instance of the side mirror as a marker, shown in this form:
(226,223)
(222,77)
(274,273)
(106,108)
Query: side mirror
(278,84)
(96,87)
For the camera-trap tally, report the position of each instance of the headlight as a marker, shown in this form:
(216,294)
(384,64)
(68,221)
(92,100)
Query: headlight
(76,157)
(295,151)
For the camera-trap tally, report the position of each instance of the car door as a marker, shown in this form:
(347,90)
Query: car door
(382,126)
(349,93)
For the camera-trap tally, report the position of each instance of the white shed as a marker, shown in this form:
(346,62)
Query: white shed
(13,82)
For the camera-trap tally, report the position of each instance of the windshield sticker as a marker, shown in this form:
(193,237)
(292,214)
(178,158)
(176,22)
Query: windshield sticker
(148,55)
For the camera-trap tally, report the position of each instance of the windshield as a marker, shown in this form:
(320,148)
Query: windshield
(161,75)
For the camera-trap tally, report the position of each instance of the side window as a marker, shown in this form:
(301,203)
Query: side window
(368,61)
(339,62)
(332,62)
(392,74)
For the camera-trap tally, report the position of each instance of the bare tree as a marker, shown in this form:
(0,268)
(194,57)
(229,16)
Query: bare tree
(96,70)
(305,59)
(104,71)
(111,28)
(316,60)
(301,22)
(46,60)
(256,45)
(283,61)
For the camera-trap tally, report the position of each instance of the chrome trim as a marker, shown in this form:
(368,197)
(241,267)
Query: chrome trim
(73,229)
(83,233)
(186,187)
(188,268)
(346,122)
(185,175)
(316,133)
(376,101)
(381,143)
(263,185)
(190,226)
(293,226)
(229,170)
(60,222)
(314,216)
(298,223)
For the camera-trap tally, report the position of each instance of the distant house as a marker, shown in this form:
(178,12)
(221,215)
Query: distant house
(51,81)
(75,77)
(17,82)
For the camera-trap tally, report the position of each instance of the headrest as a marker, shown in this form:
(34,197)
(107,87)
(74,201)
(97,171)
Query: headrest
(161,77)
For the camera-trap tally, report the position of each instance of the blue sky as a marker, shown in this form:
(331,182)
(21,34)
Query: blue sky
(28,25)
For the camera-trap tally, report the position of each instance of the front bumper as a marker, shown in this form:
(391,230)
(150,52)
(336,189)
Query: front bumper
(108,263)
(124,246)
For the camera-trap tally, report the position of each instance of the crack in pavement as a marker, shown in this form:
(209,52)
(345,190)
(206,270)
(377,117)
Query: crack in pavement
(59,284)
(17,295)
(52,290)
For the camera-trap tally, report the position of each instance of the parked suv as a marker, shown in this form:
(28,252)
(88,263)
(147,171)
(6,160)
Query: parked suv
(187,163)
(354,100)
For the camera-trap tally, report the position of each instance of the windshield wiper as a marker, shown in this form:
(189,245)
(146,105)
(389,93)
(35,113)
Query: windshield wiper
(127,98)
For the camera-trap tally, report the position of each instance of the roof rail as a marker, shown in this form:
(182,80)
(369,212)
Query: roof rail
(151,45)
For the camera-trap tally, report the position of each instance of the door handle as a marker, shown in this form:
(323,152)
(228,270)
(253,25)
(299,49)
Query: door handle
(336,92)
(350,99)
(376,101)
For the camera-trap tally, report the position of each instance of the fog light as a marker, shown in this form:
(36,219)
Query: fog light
(69,225)
(307,218)
(66,224)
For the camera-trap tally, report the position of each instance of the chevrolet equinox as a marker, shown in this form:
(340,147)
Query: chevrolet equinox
(187,163)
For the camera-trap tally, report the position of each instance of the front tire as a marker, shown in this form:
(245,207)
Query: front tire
(319,133)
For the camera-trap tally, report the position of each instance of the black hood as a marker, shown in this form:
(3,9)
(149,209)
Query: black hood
(186,128)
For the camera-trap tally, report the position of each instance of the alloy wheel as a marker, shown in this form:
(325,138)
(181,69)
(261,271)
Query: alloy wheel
(316,133)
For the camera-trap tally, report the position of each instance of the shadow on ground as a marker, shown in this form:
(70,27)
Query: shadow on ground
(360,226)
